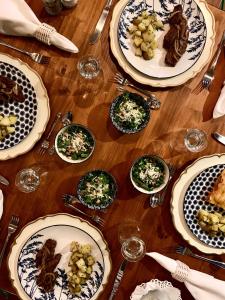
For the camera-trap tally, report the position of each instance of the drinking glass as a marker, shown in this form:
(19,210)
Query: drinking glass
(195,140)
(133,249)
(29,179)
(90,73)
(128,229)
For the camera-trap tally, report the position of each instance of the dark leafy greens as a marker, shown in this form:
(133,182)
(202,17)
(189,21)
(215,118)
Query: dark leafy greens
(75,143)
(97,189)
(148,173)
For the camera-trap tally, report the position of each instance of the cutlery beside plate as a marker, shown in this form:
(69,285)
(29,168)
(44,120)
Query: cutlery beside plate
(3,180)
(219,137)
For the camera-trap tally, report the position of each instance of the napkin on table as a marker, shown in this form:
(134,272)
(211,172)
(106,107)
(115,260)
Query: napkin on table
(17,18)
(219,109)
(201,285)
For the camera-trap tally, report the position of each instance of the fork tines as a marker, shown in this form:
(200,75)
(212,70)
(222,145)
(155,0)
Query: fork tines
(14,220)
(44,59)
(118,78)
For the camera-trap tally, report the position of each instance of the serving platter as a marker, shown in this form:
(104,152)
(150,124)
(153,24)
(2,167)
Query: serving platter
(189,195)
(64,229)
(179,79)
(156,67)
(32,114)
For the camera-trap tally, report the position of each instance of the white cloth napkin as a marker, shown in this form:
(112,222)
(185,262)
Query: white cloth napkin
(17,18)
(219,109)
(1,204)
(202,286)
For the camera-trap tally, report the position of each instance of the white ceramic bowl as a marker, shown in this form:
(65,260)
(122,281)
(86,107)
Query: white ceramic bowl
(166,175)
(64,157)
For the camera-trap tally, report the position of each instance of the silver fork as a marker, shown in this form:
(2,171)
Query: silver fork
(209,75)
(158,198)
(118,78)
(13,224)
(73,199)
(37,57)
(45,144)
(95,218)
(186,251)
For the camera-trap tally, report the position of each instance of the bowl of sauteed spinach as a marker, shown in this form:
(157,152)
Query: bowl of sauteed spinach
(149,174)
(74,143)
(130,112)
(97,189)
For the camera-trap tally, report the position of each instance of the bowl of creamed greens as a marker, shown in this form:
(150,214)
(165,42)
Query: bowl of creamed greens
(149,174)
(130,112)
(74,143)
(97,189)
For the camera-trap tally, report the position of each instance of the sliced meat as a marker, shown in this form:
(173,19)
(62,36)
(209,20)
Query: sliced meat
(9,89)
(176,39)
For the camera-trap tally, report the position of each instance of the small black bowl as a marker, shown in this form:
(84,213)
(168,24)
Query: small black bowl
(139,100)
(89,177)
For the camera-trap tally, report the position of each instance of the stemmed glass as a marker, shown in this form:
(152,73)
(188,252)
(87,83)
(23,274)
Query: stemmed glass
(29,179)
(133,249)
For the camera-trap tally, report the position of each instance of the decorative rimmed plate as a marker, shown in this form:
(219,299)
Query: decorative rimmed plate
(32,114)
(156,67)
(173,81)
(97,182)
(64,229)
(1,203)
(188,195)
(143,291)
(140,101)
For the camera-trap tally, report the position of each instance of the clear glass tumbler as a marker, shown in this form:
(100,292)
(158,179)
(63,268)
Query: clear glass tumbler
(133,249)
(28,180)
(195,140)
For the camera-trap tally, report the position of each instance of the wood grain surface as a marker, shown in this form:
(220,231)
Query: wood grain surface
(114,151)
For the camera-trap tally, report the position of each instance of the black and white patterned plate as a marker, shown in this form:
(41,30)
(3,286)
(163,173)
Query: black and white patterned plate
(156,67)
(25,111)
(195,199)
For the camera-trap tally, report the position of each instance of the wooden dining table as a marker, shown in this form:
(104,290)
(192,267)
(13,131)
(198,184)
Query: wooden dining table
(114,152)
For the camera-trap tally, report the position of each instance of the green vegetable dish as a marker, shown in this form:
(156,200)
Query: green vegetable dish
(148,173)
(129,114)
(75,143)
(97,189)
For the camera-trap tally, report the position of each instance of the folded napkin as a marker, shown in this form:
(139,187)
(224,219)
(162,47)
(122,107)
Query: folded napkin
(219,109)
(156,290)
(202,286)
(17,18)
(1,204)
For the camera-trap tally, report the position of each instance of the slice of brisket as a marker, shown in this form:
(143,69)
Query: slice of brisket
(9,89)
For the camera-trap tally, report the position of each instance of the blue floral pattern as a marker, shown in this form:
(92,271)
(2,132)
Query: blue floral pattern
(27,272)
(163,9)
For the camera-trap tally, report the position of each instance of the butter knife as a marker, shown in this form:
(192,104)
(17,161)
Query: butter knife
(101,22)
(118,279)
(219,137)
(3,180)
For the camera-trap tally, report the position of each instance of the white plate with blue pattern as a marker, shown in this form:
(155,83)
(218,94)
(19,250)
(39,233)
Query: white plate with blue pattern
(64,229)
(138,75)
(189,194)
(156,67)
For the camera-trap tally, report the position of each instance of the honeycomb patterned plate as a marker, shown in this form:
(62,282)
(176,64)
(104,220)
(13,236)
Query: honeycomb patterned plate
(196,198)
(189,195)
(32,114)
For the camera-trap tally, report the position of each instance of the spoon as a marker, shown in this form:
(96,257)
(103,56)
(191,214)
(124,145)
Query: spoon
(66,120)
(158,198)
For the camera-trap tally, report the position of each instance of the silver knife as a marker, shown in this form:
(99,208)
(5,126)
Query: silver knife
(3,180)
(118,279)
(219,137)
(101,22)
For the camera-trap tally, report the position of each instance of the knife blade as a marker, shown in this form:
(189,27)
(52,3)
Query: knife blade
(100,24)
(219,137)
(118,279)
(3,180)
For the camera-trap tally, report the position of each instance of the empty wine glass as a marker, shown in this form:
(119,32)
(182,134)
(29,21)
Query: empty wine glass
(127,229)
(29,179)
(133,249)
